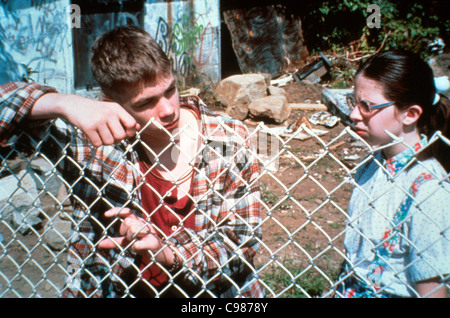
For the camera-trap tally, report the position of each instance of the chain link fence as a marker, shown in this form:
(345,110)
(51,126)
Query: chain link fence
(306,180)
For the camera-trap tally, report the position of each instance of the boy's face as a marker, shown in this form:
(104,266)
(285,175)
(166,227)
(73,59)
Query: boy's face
(158,100)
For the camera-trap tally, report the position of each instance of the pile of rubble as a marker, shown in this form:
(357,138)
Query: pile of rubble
(33,198)
(259,97)
(256,97)
(251,95)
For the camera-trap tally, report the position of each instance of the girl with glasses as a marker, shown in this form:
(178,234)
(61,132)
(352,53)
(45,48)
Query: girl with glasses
(398,230)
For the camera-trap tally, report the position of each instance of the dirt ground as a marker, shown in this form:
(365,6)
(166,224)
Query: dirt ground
(305,200)
(303,217)
(306,197)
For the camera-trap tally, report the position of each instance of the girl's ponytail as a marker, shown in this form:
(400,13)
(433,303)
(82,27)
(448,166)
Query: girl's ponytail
(439,121)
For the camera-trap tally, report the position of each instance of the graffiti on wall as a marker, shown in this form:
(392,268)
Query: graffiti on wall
(188,39)
(49,41)
(34,38)
(179,44)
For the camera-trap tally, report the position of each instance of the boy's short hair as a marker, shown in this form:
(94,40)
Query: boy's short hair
(126,57)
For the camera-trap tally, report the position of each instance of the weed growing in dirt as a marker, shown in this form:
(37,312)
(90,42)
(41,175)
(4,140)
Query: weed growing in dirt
(298,282)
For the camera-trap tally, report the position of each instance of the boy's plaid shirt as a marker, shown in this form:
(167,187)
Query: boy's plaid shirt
(218,254)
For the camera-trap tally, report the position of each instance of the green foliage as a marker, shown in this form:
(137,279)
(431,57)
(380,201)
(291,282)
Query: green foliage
(342,75)
(294,282)
(404,25)
(272,199)
(330,24)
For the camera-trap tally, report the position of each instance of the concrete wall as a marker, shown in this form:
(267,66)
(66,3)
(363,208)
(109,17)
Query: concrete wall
(36,35)
(181,27)
(37,39)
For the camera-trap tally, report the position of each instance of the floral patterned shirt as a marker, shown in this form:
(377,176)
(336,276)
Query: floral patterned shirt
(398,227)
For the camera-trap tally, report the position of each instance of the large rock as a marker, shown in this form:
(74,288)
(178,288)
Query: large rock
(46,177)
(276,91)
(275,108)
(237,91)
(57,233)
(19,201)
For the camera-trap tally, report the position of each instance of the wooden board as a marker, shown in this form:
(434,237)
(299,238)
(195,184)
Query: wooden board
(302,106)
(299,135)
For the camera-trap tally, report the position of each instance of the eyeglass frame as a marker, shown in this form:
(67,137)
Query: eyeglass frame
(354,104)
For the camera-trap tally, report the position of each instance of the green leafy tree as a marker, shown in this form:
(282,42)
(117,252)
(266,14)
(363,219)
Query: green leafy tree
(408,25)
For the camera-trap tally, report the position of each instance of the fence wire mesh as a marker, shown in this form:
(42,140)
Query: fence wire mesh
(305,188)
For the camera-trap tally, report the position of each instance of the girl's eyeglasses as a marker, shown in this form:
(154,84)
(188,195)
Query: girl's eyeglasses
(364,107)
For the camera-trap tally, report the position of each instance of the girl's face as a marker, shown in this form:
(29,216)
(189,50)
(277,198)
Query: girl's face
(371,126)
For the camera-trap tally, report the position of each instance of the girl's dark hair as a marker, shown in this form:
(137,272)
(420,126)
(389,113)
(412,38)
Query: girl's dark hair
(408,80)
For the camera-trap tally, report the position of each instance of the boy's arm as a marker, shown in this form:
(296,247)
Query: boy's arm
(16,101)
(103,122)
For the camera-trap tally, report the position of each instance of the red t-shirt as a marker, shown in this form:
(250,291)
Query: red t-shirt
(167,215)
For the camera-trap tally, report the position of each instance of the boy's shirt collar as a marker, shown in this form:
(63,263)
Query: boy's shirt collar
(212,130)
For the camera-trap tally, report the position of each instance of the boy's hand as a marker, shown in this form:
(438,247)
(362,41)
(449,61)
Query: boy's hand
(132,228)
(104,123)
(141,233)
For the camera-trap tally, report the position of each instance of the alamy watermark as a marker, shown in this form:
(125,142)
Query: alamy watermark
(75,16)
(374,20)
(73,278)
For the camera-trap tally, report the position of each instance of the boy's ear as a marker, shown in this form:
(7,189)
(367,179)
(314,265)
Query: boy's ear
(412,115)
(110,100)
(107,99)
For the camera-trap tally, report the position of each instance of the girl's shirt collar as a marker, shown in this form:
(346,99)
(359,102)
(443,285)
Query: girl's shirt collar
(398,162)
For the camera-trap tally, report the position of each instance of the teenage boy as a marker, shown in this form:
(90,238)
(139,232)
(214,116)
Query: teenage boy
(165,193)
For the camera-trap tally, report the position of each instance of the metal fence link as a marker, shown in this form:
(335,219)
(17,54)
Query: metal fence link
(304,200)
